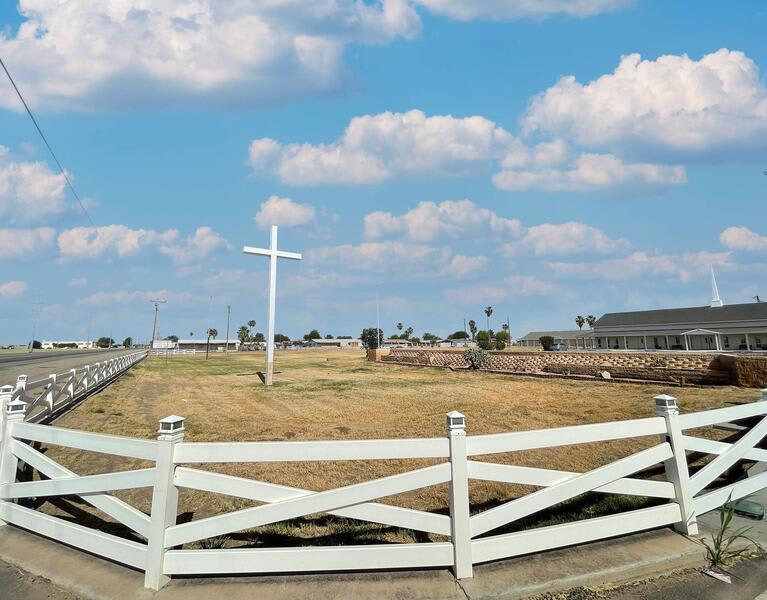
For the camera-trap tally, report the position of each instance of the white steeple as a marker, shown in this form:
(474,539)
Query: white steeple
(716,301)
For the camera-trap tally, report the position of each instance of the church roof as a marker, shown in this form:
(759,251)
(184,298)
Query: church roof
(753,311)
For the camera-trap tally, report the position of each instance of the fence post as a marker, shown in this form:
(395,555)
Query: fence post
(460,526)
(164,500)
(86,377)
(51,390)
(676,466)
(14,412)
(21,382)
(6,393)
(72,382)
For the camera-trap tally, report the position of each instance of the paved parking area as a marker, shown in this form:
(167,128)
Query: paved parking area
(41,364)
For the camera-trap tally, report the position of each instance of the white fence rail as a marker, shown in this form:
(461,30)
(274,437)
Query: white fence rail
(679,495)
(47,398)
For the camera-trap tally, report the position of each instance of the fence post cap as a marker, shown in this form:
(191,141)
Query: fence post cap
(171,427)
(21,378)
(455,421)
(665,404)
(16,407)
(6,389)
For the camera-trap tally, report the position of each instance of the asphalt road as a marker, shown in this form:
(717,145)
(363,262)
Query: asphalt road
(39,364)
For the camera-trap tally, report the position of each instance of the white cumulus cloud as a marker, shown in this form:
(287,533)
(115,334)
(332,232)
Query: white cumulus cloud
(396,258)
(110,240)
(23,243)
(375,148)
(743,238)
(568,238)
(430,221)
(497,10)
(29,190)
(684,267)
(593,172)
(676,103)
(197,247)
(284,212)
(136,53)
(11,289)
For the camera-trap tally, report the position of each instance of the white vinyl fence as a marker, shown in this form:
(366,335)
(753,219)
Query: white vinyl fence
(166,352)
(469,537)
(49,397)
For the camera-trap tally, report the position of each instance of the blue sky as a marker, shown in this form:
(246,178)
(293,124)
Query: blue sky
(443,155)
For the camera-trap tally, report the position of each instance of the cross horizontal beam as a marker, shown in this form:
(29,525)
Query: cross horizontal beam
(269,252)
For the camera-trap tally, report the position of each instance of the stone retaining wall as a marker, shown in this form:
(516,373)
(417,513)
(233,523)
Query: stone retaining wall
(536,362)
(679,367)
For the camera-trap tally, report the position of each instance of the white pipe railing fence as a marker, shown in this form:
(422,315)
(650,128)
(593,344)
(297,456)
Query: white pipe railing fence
(49,397)
(679,496)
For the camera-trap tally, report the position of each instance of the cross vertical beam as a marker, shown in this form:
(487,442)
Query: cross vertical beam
(272,301)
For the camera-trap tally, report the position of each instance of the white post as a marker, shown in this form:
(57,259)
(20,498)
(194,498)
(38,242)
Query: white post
(748,343)
(86,377)
(272,301)
(667,346)
(51,389)
(164,501)
(14,413)
(21,382)
(71,385)
(96,374)
(644,341)
(676,466)
(6,393)
(686,343)
(460,526)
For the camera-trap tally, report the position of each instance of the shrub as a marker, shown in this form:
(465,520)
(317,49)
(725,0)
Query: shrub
(484,340)
(476,357)
(547,341)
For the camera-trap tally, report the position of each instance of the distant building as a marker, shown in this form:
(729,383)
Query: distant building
(334,343)
(215,345)
(574,338)
(733,327)
(80,344)
(712,327)
(397,343)
(196,345)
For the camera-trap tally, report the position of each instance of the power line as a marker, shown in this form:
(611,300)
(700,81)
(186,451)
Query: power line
(47,145)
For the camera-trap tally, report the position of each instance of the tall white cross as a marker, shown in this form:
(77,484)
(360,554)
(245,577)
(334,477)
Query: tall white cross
(273,255)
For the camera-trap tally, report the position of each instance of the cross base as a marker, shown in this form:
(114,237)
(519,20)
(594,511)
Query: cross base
(269,373)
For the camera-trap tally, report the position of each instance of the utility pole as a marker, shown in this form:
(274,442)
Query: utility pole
(154,324)
(378,321)
(35,312)
(228,313)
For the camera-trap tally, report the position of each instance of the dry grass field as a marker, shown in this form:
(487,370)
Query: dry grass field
(334,394)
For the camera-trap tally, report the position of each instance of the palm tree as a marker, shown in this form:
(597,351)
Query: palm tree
(580,322)
(473,328)
(212,333)
(400,325)
(488,312)
(243,333)
(408,332)
(591,319)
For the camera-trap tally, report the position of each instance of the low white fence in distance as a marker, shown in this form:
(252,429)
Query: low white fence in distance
(50,396)
(469,538)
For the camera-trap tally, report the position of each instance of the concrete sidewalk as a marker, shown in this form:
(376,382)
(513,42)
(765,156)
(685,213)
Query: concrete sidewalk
(613,561)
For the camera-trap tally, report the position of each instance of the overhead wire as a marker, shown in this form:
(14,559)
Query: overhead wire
(47,145)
